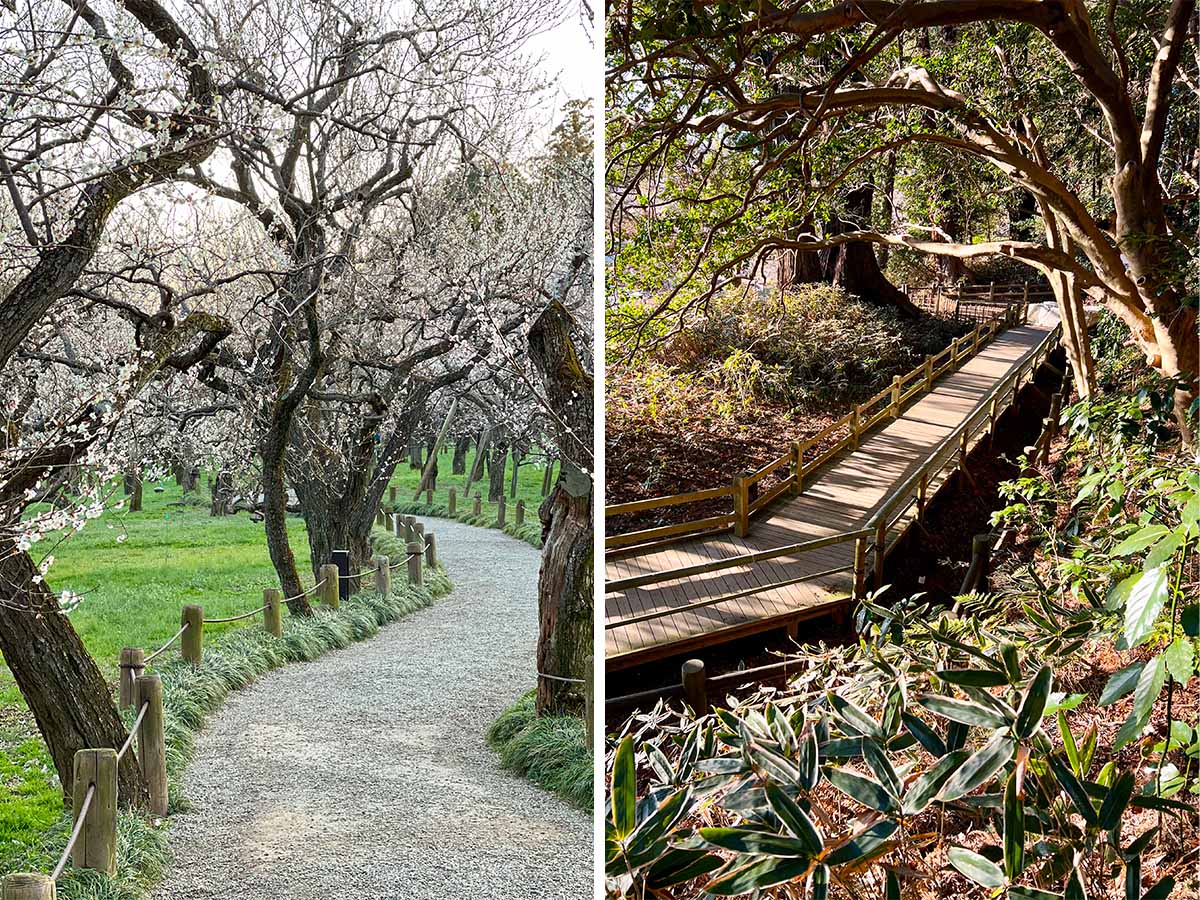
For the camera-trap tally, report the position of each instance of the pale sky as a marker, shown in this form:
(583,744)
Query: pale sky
(570,56)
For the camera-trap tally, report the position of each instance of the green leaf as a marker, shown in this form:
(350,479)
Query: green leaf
(1179,658)
(1115,801)
(761,874)
(1014,830)
(820,883)
(1120,684)
(661,820)
(1074,789)
(795,819)
(973,677)
(882,767)
(1146,598)
(1163,550)
(864,845)
(809,760)
(758,843)
(678,865)
(926,736)
(979,869)
(1149,683)
(1069,745)
(1028,893)
(1075,889)
(962,711)
(892,888)
(925,788)
(1189,618)
(1029,716)
(855,717)
(867,792)
(624,790)
(1140,540)
(983,764)
(1160,891)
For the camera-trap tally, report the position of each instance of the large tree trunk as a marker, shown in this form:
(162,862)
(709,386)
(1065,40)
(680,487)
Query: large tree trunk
(497,459)
(461,447)
(566,578)
(853,265)
(58,678)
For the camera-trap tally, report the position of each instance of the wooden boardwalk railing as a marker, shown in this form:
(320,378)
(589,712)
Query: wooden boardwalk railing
(743,493)
(977,302)
(665,597)
(93,840)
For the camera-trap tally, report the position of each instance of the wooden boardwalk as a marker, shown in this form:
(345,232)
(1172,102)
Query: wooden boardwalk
(842,496)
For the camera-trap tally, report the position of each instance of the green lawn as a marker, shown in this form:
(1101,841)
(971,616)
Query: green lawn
(134,577)
(529,484)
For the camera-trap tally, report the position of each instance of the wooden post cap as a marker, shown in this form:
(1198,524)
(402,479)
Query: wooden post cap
(28,886)
(416,552)
(520,512)
(329,593)
(452,501)
(133,663)
(431,559)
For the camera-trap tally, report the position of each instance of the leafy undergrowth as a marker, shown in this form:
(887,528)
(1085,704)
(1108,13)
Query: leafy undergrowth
(738,384)
(1042,744)
(190,694)
(551,751)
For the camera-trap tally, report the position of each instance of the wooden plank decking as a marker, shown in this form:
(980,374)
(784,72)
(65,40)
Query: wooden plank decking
(841,497)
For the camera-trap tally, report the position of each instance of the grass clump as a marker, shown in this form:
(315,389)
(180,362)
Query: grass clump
(551,751)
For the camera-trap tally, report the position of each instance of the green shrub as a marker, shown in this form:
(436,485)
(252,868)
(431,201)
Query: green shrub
(551,751)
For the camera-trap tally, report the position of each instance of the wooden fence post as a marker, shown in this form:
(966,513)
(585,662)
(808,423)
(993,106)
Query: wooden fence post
(500,510)
(192,642)
(452,501)
(398,523)
(520,512)
(28,886)
(880,540)
(380,520)
(431,559)
(993,412)
(860,568)
(928,373)
(991,291)
(854,426)
(152,742)
(429,496)
(418,534)
(409,523)
(415,551)
(895,396)
(392,495)
(383,576)
(330,593)
(741,505)
(272,613)
(1046,438)
(133,663)
(97,844)
(922,490)
(695,685)
(797,468)
(477,510)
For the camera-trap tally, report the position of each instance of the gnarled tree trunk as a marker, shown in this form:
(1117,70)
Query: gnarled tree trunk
(853,265)
(59,680)
(566,578)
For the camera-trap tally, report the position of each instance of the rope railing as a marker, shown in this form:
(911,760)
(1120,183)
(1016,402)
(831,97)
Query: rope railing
(563,679)
(80,819)
(238,618)
(133,730)
(173,639)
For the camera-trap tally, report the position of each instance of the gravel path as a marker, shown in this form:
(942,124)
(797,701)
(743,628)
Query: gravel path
(365,773)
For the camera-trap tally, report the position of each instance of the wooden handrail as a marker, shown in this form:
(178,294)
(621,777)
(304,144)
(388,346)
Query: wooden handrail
(769,468)
(671,500)
(649,534)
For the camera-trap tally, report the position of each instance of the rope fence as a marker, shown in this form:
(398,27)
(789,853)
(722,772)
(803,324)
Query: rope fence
(93,840)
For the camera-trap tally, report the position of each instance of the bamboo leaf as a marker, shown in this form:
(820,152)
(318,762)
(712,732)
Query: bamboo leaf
(820,883)
(1074,789)
(1069,745)
(856,718)
(882,767)
(1014,830)
(963,712)
(757,843)
(1029,716)
(864,845)
(795,819)
(979,869)
(1161,891)
(809,760)
(925,788)
(678,865)
(1115,801)
(926,736)
(761,874)
(858,787)
(974,677)
(983,764)
(624,790)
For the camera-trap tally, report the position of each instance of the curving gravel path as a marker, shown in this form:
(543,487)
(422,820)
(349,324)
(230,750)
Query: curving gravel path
(365,773)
